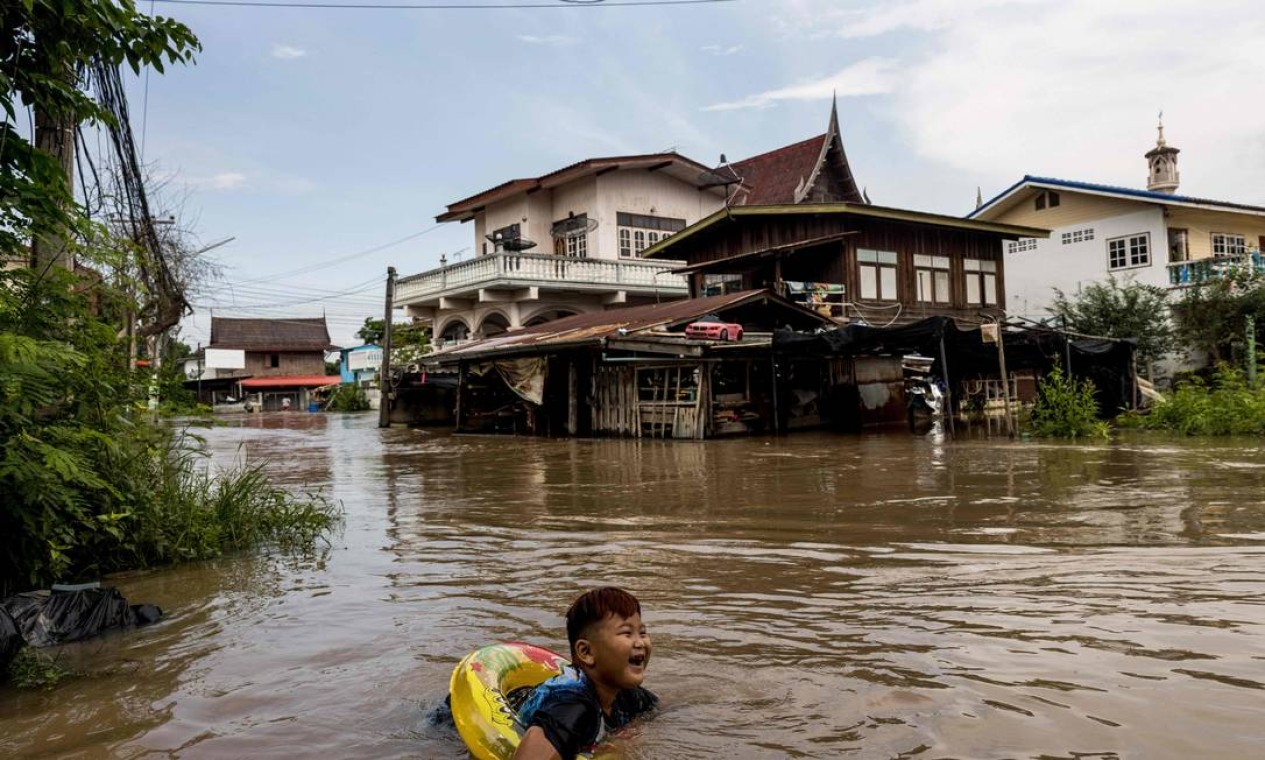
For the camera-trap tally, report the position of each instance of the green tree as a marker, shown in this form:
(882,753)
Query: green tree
(1211,315)
(1116,310)
(408,341)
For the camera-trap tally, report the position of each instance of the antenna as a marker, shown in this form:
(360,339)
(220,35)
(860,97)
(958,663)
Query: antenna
(722,176)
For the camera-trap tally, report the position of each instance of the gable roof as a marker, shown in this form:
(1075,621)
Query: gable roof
(661,249)
(684,169)
(289,334)
(774,177)
(1112,191)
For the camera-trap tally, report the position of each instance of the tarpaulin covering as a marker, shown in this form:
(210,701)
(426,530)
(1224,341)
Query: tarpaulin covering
(525,376)
(47,618)
(1108,363)
(10,639)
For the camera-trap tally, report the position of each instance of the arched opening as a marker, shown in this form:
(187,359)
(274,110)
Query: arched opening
(454,331)
(494,324)
(549,316)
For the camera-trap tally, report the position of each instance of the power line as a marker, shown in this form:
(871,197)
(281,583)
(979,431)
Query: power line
(447,6)
(342,259)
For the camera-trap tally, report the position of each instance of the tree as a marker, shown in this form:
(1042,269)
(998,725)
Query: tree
(408,341)
(1212,314)
(371,331)
(1115,310)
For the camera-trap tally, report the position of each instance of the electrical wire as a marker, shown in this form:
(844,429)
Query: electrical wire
(444,6)
(342,259)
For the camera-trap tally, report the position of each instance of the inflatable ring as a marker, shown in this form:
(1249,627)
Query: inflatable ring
(483,690)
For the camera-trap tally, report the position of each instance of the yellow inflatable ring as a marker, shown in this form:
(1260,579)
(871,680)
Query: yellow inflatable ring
(480,690)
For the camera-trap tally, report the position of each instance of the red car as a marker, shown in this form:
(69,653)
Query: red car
(711,328)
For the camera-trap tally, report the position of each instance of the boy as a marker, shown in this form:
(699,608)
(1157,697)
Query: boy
(572,712)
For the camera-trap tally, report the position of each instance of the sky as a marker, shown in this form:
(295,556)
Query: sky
(325,141)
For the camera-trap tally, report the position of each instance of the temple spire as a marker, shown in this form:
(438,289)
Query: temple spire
(1161,164)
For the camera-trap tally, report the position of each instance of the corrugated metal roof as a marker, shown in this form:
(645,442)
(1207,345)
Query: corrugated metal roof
(591,328)
(292,381)
(1115,190)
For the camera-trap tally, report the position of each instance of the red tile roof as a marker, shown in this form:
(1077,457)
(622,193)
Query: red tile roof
(289,334)
(774,177)
(292,381)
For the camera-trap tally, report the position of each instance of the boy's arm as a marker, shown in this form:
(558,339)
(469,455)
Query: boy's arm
(535,746)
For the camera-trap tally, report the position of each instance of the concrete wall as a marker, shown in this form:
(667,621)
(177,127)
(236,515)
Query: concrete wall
(645,192)
(1200,226)
(1032,276)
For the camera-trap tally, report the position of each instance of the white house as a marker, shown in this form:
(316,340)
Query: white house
(569,242)
(1152,236)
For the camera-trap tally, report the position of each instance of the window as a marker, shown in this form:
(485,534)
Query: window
(878,274)
(981,282)
(571,235)
(1178,245)
(274,361)
(508,232)
(932,275)
(1046,199)
(645,230)
(1224,244)
(578,246)
(1129,251)
(1021,245)
(625,242)
(1078,236)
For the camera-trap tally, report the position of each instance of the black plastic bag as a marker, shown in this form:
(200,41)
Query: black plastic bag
(47,618)
(10,640)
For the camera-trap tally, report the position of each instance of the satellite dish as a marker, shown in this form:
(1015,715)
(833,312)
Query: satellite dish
(573,227)
(518,244)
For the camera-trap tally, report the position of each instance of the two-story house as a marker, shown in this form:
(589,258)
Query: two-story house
(1153,236)
(570,241)
(284,358)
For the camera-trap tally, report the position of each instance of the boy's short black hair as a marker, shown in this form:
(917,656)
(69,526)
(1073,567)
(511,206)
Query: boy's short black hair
(595,606)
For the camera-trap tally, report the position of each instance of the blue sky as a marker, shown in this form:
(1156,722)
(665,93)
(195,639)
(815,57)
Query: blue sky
(311,135)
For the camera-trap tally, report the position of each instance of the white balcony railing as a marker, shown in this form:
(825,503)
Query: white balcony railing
(535,269)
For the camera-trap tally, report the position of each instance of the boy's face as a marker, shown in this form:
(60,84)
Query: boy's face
(616,651)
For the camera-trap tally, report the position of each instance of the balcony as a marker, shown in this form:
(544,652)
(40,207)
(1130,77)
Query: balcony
(509,270)
(1186,273)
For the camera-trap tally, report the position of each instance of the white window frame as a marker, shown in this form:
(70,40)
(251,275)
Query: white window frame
(931,274)
(1228,244)
(879,273)
(1134,251)
(980,280)
(625,243)
(578,246)
(1078,236)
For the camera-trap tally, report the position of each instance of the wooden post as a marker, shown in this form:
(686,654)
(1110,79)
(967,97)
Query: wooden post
(948,387)
(461,392)
(1005,378)
(384,376)
(573,401)
(1250,336)
(777,417)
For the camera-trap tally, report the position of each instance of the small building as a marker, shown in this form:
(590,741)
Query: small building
(359,365)
(284,359)
(1153,236)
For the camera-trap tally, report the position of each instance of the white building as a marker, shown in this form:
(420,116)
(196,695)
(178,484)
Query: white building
(1152,236)
(569,242)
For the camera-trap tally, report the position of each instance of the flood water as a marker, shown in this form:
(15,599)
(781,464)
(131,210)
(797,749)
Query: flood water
(875,596)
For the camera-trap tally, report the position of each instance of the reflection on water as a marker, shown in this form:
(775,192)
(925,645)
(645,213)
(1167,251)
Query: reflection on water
(816,596)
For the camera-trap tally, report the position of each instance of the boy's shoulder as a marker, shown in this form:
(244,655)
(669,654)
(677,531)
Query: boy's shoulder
(631,703)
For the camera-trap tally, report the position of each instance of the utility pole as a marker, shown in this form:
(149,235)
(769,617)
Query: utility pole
(384,376)
(1005,377)
(55,134)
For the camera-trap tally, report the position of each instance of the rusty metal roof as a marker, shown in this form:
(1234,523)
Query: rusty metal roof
(584,329)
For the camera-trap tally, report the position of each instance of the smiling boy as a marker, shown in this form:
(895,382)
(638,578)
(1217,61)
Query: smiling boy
(572,712)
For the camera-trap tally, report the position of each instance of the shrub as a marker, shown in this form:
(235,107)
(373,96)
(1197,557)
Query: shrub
(347,398)
(1066,408)
(1229,406)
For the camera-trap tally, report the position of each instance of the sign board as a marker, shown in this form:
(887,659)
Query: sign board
(371,359)
(988,332)
(225,358)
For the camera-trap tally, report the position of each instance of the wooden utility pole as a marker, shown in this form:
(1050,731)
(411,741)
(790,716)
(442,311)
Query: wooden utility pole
(1005,377)
(384,375)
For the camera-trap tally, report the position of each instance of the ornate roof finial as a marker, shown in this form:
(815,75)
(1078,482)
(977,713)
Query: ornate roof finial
(979,197)
(1160,142)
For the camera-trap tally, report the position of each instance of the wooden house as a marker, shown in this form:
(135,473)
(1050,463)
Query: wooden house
(852,262)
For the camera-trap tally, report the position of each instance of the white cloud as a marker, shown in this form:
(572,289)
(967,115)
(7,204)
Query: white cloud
(552,40)
(871,76)
(222,181)
(721,49)
(286,52)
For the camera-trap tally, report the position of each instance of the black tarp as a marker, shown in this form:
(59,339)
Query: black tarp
(45,618)
(10,640)
(1107,363)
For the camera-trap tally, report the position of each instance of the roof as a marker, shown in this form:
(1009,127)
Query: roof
(660,249)
(774,177)
(287,334)
(1115,192)
(582,329)
(466,208)
(292,381)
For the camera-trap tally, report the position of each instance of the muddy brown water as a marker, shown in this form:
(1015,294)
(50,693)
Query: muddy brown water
(874,596)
